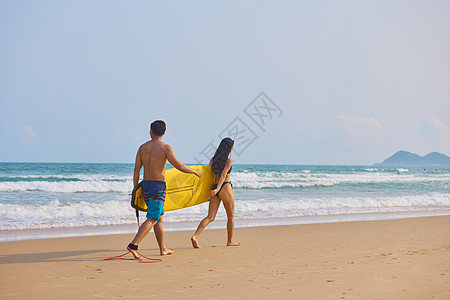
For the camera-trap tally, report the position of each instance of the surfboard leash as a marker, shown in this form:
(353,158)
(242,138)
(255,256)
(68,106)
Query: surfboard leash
(137,217)
(149,260)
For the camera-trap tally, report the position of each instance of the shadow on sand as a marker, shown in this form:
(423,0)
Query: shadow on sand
(57,256)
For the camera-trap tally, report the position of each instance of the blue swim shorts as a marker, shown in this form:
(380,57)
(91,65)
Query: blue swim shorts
(154,196)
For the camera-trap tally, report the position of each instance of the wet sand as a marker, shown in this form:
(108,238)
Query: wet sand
(392,259)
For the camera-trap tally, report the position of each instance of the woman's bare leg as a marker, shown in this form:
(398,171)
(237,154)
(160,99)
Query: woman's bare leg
(226,195)
(214,203)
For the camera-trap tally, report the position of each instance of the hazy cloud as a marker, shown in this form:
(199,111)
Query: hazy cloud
(434,135)
(28,133)
(362,133)
(5,123)
(24,134)
(130,134)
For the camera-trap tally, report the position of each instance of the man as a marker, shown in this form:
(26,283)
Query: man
(153,156)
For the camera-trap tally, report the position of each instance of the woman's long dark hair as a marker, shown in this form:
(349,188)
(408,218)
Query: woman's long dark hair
(220,158)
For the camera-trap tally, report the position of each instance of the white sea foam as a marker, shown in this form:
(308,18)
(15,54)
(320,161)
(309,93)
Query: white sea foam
(84,177)
(252,180)
(57,214)
(258,180)
(94,186)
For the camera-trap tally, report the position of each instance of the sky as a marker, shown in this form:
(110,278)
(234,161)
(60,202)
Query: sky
(293,82)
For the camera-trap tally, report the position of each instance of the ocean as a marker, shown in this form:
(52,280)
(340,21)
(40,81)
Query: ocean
(42,200)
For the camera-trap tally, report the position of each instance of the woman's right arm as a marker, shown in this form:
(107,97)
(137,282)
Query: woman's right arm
(222,177)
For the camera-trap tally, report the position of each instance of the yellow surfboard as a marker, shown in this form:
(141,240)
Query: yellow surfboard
(182,189)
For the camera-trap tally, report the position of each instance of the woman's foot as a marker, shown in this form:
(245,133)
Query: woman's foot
(194,242)
(233,244)
(166,251)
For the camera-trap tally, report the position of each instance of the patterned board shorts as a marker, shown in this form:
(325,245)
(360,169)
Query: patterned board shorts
(154,196)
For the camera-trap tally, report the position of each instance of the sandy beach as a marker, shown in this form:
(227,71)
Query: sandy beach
(393,259)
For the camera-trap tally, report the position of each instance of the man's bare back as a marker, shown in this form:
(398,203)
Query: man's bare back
(153,156)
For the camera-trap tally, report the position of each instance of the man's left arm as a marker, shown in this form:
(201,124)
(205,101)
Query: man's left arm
(179,165)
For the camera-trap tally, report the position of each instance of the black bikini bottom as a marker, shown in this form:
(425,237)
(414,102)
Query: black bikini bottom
(215,186)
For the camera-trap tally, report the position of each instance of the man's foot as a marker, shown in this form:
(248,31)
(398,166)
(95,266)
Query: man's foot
(166,251)
(133,250)
(233,244)
(194,242)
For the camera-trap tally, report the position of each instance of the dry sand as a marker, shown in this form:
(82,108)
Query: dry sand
(394,259)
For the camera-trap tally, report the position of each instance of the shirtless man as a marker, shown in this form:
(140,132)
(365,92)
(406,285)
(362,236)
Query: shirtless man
(153,156)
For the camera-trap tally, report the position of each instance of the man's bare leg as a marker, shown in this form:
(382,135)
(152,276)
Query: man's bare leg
(142,232)
(159,233)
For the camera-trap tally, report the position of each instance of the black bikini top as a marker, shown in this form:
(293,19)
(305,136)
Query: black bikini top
(229,171)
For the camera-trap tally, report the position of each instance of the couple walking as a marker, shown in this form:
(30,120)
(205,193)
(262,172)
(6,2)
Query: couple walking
(153,156)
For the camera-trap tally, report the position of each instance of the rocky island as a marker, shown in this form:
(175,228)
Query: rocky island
(408,159)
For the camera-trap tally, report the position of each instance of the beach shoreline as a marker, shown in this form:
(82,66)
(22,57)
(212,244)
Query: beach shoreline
(383,259)
(63,232)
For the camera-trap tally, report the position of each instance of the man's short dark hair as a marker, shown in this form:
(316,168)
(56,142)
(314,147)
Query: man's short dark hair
(158,127)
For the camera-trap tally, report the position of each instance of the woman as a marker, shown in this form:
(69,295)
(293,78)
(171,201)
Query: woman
(221,191)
